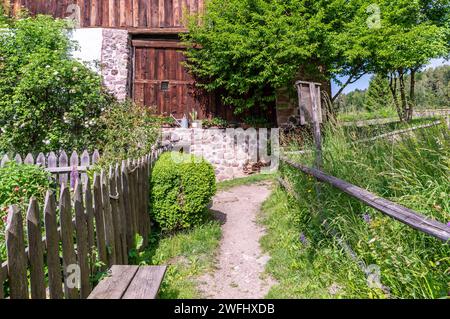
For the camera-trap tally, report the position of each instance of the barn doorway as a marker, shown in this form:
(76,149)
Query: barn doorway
(160,80)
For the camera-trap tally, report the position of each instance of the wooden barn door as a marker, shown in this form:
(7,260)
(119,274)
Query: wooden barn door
(160,80)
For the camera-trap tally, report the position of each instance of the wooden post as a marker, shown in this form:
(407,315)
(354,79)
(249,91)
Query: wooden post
(17,259)
(67,233)
(35,251)
(100,222)
(52,241)
(82,241)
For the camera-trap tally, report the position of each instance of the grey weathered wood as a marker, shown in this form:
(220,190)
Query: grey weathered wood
(52,242)
(63,162)
(3,276)
(40,160)
(82,242)
(29,159)
(66,169)
(52,160)
(121,217)
(74,163)
(126,204)
(109,226)
(67,233)
(100,222)
(35,251)
(5,159)
(17,259)
(95,157)
(396,211)
(114,204)
(18,159)
(85,161)
(146,283)
(115,285)
(90,222)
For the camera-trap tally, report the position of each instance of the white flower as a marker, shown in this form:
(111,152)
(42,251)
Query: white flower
(46,142)
(55,73)
(47,66)
(75,69)
(22,125)
(3,130)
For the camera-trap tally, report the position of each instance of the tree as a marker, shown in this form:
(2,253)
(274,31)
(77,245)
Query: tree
(378,94)
(412,33)
(48,100)
(249,48)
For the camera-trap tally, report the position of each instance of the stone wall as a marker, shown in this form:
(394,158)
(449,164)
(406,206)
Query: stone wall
(116,62)
(229,150)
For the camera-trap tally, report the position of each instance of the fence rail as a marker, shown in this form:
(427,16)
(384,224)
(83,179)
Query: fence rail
(396,211)
(87,229)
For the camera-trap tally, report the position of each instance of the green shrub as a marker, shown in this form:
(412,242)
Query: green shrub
(182,186)
(18,183)
(49,101)
(128,131)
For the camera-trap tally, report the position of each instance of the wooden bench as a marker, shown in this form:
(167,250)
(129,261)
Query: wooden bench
(130,282)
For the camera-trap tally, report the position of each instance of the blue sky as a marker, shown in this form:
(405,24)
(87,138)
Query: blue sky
(363,83)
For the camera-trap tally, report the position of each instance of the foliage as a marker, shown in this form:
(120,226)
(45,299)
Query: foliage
(188,255)
(128,131)
(248,48)
(378,95)
(49,101)
(432,91)
(181,187)
(18,183)
(412,171)
(215,122)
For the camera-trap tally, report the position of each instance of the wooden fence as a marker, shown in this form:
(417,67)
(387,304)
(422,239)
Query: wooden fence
(86,230)
(396,211)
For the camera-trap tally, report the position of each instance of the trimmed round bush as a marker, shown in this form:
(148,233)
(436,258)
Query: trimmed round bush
(182,186)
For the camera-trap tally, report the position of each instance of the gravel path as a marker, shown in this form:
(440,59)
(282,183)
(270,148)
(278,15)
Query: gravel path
(240,262)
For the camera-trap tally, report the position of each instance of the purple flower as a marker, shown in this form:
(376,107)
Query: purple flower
(73,176)
(448,224)
(367,218)
(303,239)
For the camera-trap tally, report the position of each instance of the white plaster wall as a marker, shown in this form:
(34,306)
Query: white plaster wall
(90,46)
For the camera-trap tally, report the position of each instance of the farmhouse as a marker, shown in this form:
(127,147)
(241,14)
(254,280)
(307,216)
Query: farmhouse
(137,43)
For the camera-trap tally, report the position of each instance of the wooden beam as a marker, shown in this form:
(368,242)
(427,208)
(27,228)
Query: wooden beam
(156,31)
(158,44)
(396,211)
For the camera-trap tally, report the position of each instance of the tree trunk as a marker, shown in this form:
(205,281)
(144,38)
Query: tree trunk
(393,88)
(404,101)
(412,95)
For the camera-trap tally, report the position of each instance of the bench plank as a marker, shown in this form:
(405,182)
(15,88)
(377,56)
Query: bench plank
(114,287)
(146,283)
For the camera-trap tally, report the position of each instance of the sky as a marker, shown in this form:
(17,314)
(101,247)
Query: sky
(363,83)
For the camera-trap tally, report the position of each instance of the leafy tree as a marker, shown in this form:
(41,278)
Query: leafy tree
(245,49)
(378,94)
(49,101)
(412,33)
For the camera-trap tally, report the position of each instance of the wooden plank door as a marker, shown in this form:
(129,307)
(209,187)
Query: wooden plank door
(160,79)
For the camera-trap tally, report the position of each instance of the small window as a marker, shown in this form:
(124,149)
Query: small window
(165,86)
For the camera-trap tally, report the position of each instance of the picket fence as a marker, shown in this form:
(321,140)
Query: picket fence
(55,252)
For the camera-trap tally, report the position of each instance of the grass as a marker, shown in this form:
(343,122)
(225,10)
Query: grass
(251,179)
(188,254)
(366,115)
(412,171)
(314,269)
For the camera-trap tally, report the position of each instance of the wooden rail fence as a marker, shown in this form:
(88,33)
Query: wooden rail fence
(58,247)
(396,211)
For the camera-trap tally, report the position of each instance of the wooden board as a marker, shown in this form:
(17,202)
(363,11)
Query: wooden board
(145,284)
(117,13)
(160,79)
(114,286)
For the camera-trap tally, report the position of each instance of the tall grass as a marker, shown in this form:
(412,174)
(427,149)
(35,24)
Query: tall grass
(412,170)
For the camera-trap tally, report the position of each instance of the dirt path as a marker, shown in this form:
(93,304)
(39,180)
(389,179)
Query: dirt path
(240,262)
